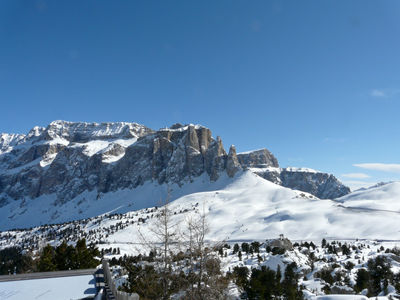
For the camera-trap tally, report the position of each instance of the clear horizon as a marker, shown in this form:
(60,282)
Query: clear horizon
(316,83)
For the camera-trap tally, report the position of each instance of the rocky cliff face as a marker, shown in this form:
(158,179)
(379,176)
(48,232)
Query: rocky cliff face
(257,159)
(66,159)
(322,185)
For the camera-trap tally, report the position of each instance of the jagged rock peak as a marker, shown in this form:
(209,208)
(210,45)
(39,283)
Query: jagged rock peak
(176,126)
(232,163)
(257,159)
(68,158)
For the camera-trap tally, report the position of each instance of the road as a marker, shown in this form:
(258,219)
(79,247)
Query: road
(41,275)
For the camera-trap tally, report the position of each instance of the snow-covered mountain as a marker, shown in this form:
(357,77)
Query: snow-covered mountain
(73,170)
(244,207)
(105,182)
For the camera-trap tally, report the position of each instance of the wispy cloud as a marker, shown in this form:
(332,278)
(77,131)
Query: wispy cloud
(394,168)
(384,93)
(378,93)
(355,175)
(334,140)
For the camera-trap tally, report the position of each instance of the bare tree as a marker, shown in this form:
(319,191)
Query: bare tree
(204,265)
(196,232)
(164,240)
(200,266)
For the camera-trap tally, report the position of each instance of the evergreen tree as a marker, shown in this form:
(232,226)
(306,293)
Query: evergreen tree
(145,281)
(278,280)
(71,259)
(346,250)
(47,259)
(325,274)
(262,284)
(256,246)
(312,245)
(235,248)
(241,276)
(85,256)
(380,274)
(61,256)
(245,247)
(290,283)
(397,282)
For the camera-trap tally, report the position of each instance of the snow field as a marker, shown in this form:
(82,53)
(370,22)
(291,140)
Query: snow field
(61,288)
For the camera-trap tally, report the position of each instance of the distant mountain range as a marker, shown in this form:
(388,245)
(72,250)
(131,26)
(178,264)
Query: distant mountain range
(73,170)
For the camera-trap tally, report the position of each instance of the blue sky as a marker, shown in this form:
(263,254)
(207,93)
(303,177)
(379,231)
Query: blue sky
(315,82)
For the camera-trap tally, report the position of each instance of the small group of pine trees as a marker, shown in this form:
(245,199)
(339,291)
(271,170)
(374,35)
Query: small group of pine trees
(377,277)
(251,248)
(112,251)
(266,283)
(68,257)
(63,257)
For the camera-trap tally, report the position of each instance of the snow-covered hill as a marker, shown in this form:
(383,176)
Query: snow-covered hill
(245,207)
(385,197)
(248,207)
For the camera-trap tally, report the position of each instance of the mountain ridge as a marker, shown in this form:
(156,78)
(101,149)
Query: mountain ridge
(67,159)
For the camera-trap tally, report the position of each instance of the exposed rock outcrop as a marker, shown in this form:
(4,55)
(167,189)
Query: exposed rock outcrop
(257,159)
(280,243)
(322,185)
(232,163)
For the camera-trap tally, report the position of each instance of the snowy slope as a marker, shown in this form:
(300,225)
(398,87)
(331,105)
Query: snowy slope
(243,207)
(384,197)
(43,210)
(61,288)
(250,208)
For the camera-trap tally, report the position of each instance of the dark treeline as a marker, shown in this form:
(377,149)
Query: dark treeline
(265,283)
(64,257)
(13,259)
(68,257)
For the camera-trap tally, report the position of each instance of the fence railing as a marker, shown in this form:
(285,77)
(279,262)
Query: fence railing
(111,292)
